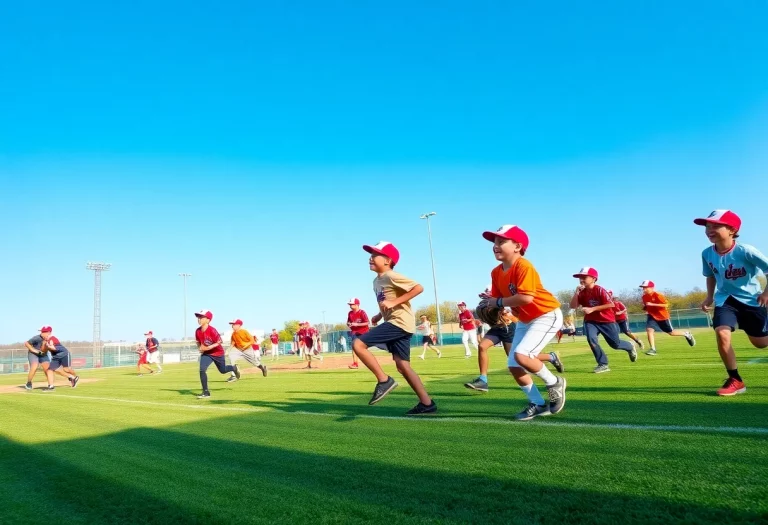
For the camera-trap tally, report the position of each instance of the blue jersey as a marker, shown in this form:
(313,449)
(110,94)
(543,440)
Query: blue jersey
(735,272)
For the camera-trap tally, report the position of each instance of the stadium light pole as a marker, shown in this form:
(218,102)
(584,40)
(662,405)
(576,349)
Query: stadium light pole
(434,278)
(184,276)
(97,268)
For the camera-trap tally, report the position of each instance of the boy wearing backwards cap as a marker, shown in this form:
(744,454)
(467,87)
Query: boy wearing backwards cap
(516,283)
(393,293)
(599,318)
(357,321)
(241,347)
(655,304)
(620,312)
(211,351)
(731,270)
(468,327)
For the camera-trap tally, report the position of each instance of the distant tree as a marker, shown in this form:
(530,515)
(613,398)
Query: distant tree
(449,312)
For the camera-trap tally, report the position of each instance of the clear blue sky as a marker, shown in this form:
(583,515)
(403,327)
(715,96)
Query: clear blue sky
(259,146)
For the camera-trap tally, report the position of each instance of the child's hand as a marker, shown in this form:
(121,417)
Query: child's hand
(484,295)
(762,299)
(707,304)
(588,310)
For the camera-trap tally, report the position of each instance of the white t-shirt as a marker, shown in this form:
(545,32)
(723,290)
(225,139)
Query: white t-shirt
(424,329)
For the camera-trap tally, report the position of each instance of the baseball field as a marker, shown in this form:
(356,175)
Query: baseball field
(648,442)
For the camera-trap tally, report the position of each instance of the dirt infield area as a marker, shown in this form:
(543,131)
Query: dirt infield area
(292,363)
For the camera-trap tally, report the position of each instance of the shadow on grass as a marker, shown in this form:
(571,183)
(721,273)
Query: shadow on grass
(149,475)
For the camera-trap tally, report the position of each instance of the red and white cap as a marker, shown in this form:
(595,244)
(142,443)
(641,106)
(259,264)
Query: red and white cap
(45,329)
(387,249)
(354,300)
(461,303)
(586,272)
(647,284)
(305,322)
(508,231)
(205,313)
(725,217)
(236,321)
(610,292)
(149,332)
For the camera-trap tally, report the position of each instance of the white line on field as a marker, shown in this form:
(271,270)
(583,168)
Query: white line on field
(438,419)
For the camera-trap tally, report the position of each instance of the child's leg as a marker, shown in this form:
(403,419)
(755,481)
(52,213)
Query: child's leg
(610,333)
(591,330)
(424,350)
(222,366)
(473,339)
(651,337)
(759,342)
(632,336)
(725,348)
(360,349)
(436,349)
(413,379)
(465,342)
(527,386)
(483,359)
(559,335)
(48,373)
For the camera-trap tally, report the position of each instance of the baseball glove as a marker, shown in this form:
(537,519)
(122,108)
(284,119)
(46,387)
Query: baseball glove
(489,314)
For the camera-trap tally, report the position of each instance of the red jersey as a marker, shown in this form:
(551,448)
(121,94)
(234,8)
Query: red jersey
(597,296)
(618,306)
(209,337)
(275,338)
(467,320)
(307,334)
(255,346)
(358,317)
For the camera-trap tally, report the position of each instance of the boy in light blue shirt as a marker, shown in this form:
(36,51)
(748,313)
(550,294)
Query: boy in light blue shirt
(733,288)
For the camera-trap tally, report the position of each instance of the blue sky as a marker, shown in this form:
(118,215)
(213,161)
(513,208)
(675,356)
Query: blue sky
(259,146)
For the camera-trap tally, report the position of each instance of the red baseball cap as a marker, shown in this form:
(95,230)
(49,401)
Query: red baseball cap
(508,231)
(725,217)
(586,272)
(647,284)
(236,321)
(354,300)
(46,329)
(387,249)
(461,303)
(148,333)
(205,313)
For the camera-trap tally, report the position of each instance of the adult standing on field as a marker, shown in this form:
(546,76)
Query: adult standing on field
(38,356)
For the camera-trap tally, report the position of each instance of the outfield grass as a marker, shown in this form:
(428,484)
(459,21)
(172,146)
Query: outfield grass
(648,442)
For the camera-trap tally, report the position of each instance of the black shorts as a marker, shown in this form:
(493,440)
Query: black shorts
(60,359)
(661,326)
(501,334)
(397,340)
(624,327)
(752,319)
(426,340)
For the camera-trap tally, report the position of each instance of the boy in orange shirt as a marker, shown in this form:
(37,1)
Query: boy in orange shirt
(516,283)
(657,308)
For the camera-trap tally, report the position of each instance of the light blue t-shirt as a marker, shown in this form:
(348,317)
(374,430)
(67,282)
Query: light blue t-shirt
(735,272)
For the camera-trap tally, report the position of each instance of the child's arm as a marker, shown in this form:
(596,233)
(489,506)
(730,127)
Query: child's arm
(710,299)
(593,309)
(575,299)
(375,319)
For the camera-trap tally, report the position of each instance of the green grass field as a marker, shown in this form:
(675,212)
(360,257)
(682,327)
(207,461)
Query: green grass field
(648,442)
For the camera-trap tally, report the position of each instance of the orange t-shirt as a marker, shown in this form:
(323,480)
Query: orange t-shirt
(522,278)
(660,313)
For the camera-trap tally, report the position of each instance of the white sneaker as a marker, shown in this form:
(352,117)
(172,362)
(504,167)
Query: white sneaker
(439,354)
(422,356)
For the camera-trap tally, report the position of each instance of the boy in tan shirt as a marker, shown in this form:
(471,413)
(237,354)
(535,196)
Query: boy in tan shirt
(393,293)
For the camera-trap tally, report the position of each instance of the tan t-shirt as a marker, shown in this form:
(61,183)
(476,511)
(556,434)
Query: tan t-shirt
(392,285)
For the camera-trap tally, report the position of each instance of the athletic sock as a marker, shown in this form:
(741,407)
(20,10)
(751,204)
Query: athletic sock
(734,374)
(484,378)
(546,376)
(533,394)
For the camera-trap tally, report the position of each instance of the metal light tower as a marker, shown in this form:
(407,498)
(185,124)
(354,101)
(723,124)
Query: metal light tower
(184,276)
(97,268)
(434,278)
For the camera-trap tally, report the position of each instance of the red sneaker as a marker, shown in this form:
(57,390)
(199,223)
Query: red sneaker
(353,366)
(732,387)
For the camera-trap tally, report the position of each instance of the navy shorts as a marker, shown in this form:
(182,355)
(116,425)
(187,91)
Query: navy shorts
(34,358)
(396,340)
(660,326)
(61,359)
(217,360)
(501,334)
(426,340)
(752,319)
(624,327)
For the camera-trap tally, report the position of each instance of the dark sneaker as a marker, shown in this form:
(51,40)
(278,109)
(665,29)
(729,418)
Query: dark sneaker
(652,351)
(601,369)
(531,411)
(28,386)
(557,396)
(633,354)
(231,379)
(237,372)
(422,409)
(263,370)
(204,395)
(382,389)
(689,337)
(555,360)
(49,388)
(477,384)
(74,381)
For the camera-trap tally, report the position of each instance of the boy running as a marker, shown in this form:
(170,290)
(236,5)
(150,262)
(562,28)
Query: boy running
(308,339)
(468,328)
(731,270)
(599,318)
(274,338)
(657,308)
(620,312)
(393,294)
(241,346)
(61,359)
(37,355)
(516,283)
(141,351)
(427,337)
(357,321)
(211,351)
(153,351)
